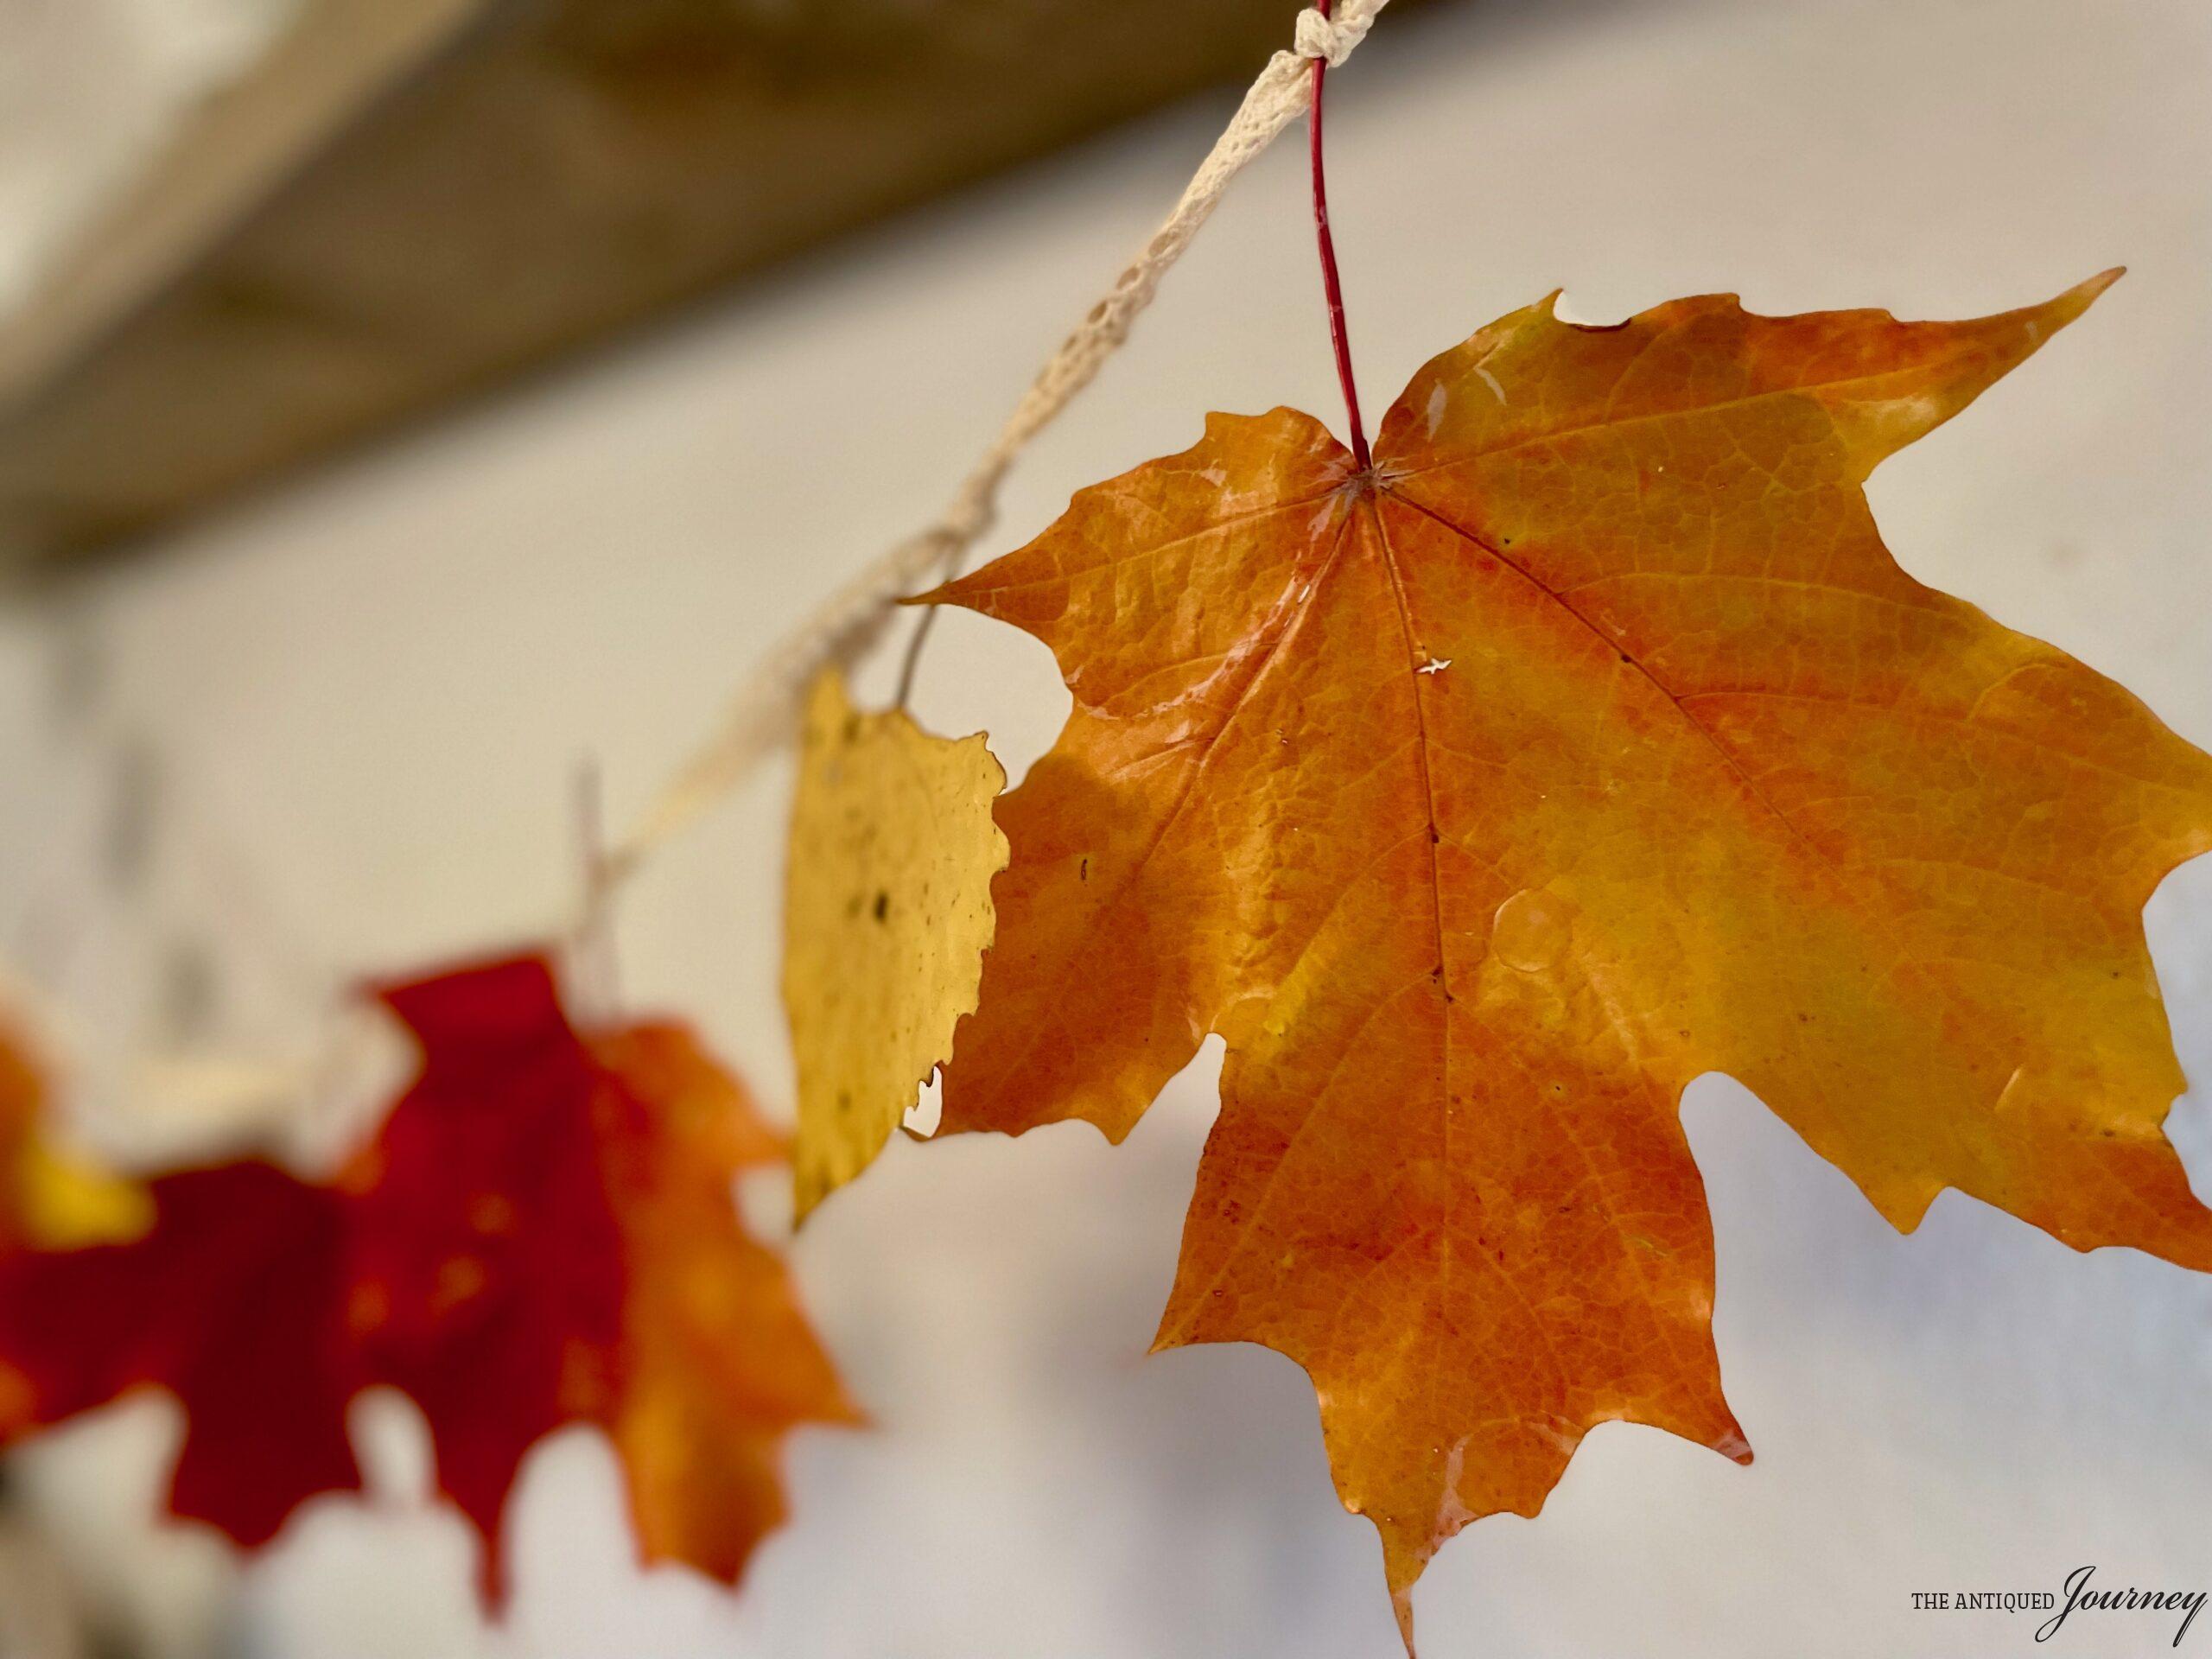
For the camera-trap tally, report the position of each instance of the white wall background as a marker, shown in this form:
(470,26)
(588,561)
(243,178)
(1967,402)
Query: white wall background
(371,693)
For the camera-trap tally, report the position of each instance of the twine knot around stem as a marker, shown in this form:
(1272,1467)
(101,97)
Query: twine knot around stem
(1332,40)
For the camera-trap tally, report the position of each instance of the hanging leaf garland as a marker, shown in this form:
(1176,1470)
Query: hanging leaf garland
(543,1233)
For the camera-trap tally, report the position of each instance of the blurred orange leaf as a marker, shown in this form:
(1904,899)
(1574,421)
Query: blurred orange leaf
(1590,742)
(543,1233)
(20,1092)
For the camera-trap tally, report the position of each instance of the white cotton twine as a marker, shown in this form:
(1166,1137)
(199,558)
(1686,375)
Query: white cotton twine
(1332,39)
(766,712)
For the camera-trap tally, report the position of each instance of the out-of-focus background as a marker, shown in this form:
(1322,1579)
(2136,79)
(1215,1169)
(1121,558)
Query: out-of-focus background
(404,401)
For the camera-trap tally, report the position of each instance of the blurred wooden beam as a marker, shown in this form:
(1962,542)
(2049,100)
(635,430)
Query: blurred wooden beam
(415,200)
(229,156)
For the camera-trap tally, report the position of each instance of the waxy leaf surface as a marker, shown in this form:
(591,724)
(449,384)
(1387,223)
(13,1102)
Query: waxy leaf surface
(543,1233)
(887,914)
(1592,741)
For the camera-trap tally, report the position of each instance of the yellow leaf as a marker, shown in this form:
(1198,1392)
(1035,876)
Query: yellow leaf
(68,1204)
(887,911)
(49,1200)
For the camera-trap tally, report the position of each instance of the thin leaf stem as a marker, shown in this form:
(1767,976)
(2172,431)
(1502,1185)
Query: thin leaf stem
(1331,285)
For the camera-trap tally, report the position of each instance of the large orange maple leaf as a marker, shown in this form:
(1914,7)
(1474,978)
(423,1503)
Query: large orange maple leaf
(542,1233)
(1590,741)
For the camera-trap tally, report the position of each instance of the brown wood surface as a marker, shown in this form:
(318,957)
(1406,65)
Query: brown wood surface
(531,174)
